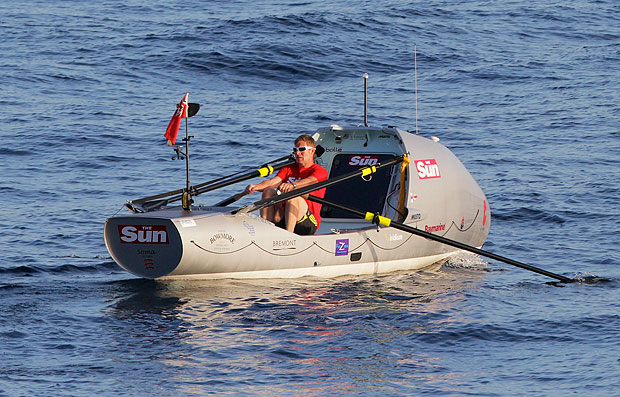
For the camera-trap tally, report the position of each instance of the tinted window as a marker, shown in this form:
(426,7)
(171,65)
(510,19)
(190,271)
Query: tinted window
(357,193)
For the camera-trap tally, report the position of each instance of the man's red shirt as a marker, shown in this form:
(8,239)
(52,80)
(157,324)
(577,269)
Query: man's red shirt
(293,173)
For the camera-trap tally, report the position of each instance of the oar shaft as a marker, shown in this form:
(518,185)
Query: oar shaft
(200,185)
(264,171)
(444,240)
(260,204)
(178,195)
(178,191)
(230,200)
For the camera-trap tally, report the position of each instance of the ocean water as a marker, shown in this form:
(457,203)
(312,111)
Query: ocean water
(526,94)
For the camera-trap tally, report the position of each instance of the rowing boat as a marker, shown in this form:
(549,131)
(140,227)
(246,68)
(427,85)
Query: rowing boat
(389,192)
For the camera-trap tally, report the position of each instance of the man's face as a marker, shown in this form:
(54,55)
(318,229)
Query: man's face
(304,156)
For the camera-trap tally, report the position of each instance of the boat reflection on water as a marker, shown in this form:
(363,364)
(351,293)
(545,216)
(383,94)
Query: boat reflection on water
(304,335)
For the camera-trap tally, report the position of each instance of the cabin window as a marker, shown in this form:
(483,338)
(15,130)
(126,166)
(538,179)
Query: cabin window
(366,196)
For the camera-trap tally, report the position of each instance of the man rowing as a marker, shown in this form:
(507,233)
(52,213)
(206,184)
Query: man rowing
(298,214)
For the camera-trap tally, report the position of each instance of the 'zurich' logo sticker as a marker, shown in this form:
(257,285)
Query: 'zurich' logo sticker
(342,247)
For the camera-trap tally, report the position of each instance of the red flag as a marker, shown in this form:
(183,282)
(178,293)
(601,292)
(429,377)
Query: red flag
(173,126)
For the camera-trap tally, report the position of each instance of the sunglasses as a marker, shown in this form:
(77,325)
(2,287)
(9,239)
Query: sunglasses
(302,149)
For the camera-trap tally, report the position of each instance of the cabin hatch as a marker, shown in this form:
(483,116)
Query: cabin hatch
(363,195)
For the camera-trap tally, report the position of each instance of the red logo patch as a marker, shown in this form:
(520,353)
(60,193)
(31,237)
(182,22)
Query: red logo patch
(143,234)
(427,169)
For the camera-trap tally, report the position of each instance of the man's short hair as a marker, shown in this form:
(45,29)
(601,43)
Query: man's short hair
(307,139)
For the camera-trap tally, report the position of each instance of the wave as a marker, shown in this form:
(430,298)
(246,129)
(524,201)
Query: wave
(466,260)
(576,330)
(32,270)
(528,214)
(14,152)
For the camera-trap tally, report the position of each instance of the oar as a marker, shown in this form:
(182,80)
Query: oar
(264,171)
(230,200)
(145,206)
(380,220)
(179,191)
(236,197)
(266,202)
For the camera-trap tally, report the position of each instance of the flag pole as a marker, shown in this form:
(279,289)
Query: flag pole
(187,196)
(184,110)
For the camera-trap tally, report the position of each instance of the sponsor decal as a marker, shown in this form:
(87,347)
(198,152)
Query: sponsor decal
(222,237)
(359,161)
(427,169)
(250,228)
(416,217)
(342,247)
(436,228)
(413,196)
(188,223)
(284,244)
(484,218)
(333,149)
(259,218)
(222,241)
(462,223)
(396,237)
(143,234)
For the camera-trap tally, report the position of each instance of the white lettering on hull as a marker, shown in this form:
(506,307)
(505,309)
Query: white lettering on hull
(427,169)
(143,234)
(363,160)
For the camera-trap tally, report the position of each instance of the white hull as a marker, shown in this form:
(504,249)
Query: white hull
(326,272)
(440,195)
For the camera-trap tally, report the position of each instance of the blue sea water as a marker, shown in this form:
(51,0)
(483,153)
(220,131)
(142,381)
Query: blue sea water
(526,94)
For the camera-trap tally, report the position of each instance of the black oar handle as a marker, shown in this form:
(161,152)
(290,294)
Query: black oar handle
(230,200)
(375,218)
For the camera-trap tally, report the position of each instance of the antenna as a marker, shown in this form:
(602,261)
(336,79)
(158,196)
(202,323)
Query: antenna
(365,99)
(415,78)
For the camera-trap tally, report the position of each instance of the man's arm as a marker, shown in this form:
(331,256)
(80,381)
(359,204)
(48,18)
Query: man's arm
(268,183)
(287,187)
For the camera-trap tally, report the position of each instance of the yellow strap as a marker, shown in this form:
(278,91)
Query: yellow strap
(404,164)
(382,220)
(265,171)
(403,192)
(369,170)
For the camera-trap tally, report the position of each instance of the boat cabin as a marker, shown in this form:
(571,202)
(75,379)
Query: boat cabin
(348,149)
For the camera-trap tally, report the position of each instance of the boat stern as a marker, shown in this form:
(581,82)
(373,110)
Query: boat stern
(144,246)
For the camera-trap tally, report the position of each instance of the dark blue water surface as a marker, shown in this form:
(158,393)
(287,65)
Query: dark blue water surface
(527,94)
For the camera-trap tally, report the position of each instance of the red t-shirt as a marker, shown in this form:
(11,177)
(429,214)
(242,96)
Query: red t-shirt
(293,173)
